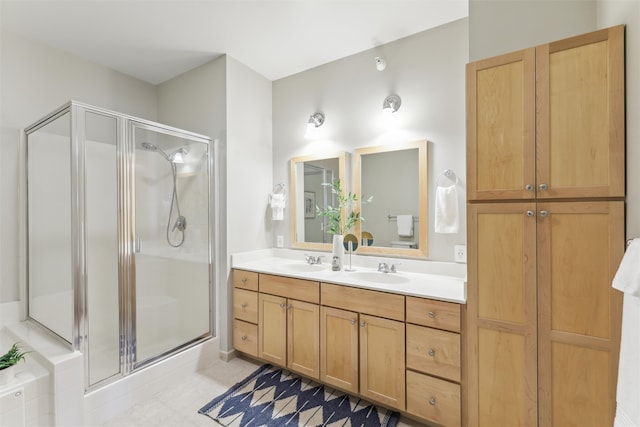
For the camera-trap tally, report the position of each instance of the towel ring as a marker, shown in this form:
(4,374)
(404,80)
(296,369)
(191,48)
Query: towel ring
(447,173)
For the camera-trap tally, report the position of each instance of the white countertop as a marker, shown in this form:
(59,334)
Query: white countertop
(428,279)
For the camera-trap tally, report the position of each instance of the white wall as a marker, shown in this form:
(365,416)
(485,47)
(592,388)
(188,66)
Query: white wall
(249,173)
(610,13)
(502,26)
(427,70)
(34,80)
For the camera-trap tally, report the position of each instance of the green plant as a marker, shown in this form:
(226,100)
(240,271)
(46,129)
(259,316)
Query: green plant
(344,203)
(11,357)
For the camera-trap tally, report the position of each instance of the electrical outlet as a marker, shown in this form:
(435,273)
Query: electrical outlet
(279,241)
(460,253)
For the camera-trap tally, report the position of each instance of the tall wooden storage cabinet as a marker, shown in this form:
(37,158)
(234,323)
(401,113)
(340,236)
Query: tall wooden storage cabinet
(545,173)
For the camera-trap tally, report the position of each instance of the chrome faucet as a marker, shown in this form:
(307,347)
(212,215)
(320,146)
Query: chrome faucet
(384,267)
(310,259)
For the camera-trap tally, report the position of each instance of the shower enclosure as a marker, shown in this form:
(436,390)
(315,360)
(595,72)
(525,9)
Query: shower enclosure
(119,215)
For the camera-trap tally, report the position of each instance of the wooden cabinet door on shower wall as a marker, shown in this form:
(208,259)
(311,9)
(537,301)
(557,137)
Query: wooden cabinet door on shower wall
(548,122)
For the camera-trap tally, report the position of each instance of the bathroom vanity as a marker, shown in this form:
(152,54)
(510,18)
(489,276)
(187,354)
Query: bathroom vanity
(392,338)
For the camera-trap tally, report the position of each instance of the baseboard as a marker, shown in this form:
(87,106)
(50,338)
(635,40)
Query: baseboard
(226,356)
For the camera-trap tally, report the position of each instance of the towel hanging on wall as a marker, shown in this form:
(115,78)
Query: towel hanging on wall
(405,225)
(446,209)
(627,280)
(277,202)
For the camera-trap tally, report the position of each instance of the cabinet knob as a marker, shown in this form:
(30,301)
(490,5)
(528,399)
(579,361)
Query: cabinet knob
(432,401)
(244,280)
(431,314)
(244,305)
(531,213)
(528,187)
(353,321)
(432,352)
(289,307)
(544,214)
(543,187)
(282,305)
(244,338)
(362,324)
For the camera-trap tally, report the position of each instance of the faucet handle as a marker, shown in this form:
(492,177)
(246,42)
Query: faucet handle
(393,267)
(319,259)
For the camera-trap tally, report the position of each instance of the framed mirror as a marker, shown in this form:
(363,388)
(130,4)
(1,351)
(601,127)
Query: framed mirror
(395,221)
(308,173)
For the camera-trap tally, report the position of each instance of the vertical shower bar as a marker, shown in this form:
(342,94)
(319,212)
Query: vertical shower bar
(126,231)
(78,239)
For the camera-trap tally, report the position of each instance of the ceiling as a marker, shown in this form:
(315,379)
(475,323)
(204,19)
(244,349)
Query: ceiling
(155,40)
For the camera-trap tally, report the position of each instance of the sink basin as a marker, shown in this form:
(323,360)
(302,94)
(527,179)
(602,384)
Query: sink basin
(377,277)
(302,267)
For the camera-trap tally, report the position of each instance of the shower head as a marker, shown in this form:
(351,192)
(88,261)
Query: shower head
(175,157)
(149,146)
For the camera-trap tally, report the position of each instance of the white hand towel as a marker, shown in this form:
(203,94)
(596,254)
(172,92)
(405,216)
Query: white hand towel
(628,391)
(627,278)
(277,207)
(446,210)
(405,225)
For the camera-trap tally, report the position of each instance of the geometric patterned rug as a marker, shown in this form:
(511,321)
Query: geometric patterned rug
(276,397)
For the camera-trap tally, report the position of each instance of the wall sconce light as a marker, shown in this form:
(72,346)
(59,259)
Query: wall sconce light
(381,64)
(315,121)
(391,104)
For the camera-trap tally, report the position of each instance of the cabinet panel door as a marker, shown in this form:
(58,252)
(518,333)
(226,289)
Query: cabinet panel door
(303,338)
(580,245)
(272,329)
(501,127)
(382,360)
(580,103)
(339,348)
(501,315)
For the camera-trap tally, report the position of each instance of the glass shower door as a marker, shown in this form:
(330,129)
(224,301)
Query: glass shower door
(172,259)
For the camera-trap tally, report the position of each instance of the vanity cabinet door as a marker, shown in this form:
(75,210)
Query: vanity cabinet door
(339,348)
(272,329)
(382,360)
(303,338)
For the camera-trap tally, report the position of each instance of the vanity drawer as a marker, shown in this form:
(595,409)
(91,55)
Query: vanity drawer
(245,305)
(382,304)
(288,287)
(245,337)
(435,314)
(245,280)
(433,399)
(433,351)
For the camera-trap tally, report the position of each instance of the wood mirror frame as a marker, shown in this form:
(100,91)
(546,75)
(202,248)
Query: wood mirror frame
(420,227)
(298,195)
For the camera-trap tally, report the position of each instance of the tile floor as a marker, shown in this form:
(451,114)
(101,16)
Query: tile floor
(179,406)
